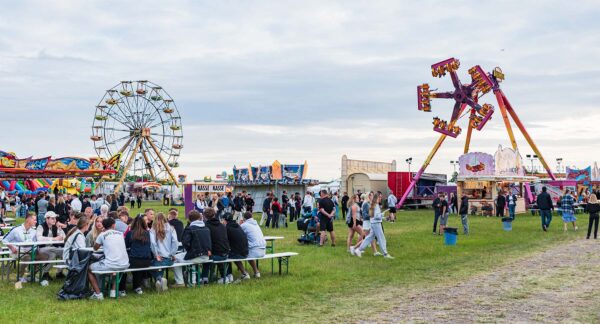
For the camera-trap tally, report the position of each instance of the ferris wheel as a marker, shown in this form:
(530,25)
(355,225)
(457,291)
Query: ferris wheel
(140,121)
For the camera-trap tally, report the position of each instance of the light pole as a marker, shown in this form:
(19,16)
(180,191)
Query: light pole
(531,158)
(558,163)
(454,164)
(409,162)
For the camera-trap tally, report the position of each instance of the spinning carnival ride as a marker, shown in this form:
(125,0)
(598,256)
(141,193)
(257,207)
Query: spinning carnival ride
(466,98)
(140,121)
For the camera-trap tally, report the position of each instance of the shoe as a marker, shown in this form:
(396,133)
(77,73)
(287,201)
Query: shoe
(229,278)
(178,285)
(46,276)
(122,293)
(60,275)
(112,294)
(358,253)
(158,285)
(44,283)
(164,284)
(576,228)
(387,256)
(139,291)
(245,276)
(377,254)
(23,279)
(97,296)
(257,275)
(545,228)
(332,245)
(221,281)
(352,250)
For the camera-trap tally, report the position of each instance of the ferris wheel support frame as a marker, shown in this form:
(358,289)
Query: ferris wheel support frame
(131,158)
(163,162)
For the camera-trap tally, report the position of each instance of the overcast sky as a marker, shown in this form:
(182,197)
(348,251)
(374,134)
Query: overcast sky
(257,81)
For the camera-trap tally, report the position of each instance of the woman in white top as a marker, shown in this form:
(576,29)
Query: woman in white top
(75,239)
(200,204)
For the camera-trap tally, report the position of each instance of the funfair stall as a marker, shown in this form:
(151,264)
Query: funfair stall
(483,176)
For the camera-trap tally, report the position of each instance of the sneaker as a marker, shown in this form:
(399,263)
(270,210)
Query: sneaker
(112,294)
(122,293)
(164,284)
(23,279)
(178,285)
(204,281)
(245,276)
(377,254)
(358,253)
(139,291)
(352,250)
(257,275)
(158,285)
(221,281)
(97,296)
(230,278)
(387,256)
(44,283)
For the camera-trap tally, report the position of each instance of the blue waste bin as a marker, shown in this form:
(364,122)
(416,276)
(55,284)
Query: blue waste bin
(507,223)
(450,235)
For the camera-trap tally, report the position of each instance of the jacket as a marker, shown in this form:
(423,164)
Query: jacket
(196,240)
(544,201)
(138,249)
(237,239)
(253,234)
(464,205)
(218,237)
(167,248)
(593,209)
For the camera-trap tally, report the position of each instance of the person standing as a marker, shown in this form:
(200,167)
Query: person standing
(266,209)
(443,213)
(308,202)
(500,204)
(392,201)
(593,208)
(345,199)
(276,212)
(238,205)
(464,213)
(249,203)
(454,203)
(545,205)
(284,204)
(354,223)
(568,212)
(436,212)
(512,205)
(326,214)
(292,209)
(42,208)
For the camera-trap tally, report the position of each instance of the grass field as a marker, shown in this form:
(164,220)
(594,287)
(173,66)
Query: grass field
(324,284)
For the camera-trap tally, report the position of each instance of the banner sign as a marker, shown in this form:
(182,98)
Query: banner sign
(210,187)
(476,164)
(508,162)
(580,175)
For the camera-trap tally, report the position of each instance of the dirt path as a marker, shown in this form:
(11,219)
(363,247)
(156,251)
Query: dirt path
(561,284)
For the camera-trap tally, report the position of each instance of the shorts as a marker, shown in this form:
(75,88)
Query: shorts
(358,223)
(326,223)
(393,209)
(101,266)
(256,252)
(366,225)
(444,219)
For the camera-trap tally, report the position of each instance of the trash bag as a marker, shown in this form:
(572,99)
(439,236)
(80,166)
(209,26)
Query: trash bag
(75,286)
(451,230)
(507,219)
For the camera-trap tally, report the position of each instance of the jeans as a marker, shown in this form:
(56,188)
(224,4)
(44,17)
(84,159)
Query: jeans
(593,220)
(511,211)
(375,233)
(157,275)
(546,217)
(206,266)
(292,214)
(139,276)
(436,217)
(233,256)
(53,253)
(178,271)
(465,223)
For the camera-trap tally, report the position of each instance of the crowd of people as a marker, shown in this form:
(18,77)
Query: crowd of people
(148,239)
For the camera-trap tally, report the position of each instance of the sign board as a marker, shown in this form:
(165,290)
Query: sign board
(210,187)
(476,164)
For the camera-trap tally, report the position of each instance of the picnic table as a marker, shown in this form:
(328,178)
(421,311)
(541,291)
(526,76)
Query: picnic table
(8,220)
(34,246)
(271,248)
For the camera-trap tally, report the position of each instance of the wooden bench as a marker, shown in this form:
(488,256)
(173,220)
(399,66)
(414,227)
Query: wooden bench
(282,258)
(6,263)
(37,266)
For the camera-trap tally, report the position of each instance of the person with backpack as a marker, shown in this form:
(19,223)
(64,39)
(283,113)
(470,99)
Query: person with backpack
(74,240)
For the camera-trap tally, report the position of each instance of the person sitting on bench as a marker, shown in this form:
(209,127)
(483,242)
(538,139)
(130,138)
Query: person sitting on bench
(164,245)
(115,257)
(137,240)
(74,240)
(24,233)
(220,243)
(197,243)
(257,245)
(239,246)
(49,231)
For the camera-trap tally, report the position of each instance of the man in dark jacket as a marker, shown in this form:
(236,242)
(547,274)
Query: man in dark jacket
(197,243)
(220,243)
(500,204)
(545,205)
(464,212)
(238,241)
(436,213)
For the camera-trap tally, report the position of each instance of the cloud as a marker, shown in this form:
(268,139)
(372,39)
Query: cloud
(294,81)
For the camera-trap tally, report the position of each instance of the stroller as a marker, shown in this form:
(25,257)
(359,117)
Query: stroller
(308,224)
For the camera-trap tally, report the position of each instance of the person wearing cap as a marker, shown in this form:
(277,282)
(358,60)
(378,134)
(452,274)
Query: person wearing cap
(49,231)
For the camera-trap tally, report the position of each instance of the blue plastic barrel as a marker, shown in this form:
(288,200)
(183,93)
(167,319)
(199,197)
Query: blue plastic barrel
(507,223)
(450,235)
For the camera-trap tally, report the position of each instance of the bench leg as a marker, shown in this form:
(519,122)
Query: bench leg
(117,282)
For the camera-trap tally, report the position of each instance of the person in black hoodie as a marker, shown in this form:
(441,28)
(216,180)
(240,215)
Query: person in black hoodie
(500,204)
(220,243)
(545,205)
(593,208)
(197,244)
(464,213)
(176,223)
(238,241)
(436,212)
(137,242)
